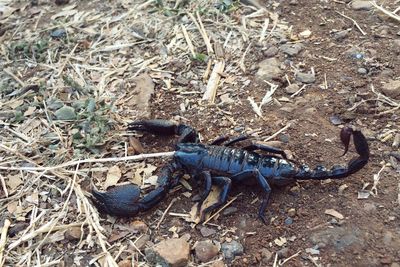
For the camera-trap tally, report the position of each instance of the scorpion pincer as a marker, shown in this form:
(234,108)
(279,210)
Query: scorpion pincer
(221,165)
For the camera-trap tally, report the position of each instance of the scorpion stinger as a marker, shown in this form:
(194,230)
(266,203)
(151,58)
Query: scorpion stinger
(223,166)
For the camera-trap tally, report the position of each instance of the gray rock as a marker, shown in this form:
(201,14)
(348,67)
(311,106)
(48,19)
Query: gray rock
(229,211)
(392,89)
(283,253)
(232,249)
(362,71)
(335,120)
(291,89)
(269,69)
(369,207)
(361,5)
(288,221)
(206,250)
(271,51)
(341,238)
(341,35)
(58,33)
(172,252)
(266,255)
(65,113)
(291,49)
(305,77)
(206,232)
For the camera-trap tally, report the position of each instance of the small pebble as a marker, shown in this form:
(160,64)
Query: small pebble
(305,77)
(292,212)
(335,120)
(362,71)
(232,249)
(139,226)
(288,221)
(229,211)
(206,232)
(73,233)
(58,33)
(206,251)
(266,254)
(291,89)
(283,253)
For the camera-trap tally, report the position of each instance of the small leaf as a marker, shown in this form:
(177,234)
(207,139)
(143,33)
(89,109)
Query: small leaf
(65,113)
(113,176)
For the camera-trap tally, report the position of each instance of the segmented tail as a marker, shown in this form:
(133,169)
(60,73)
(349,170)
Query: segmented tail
(337,172)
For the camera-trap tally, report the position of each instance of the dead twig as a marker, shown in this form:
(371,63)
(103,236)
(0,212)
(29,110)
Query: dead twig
(3,239)
(165,212)
(385,11)
(212,85)
(75,162)
(221,209)
(354,22)
(277,133)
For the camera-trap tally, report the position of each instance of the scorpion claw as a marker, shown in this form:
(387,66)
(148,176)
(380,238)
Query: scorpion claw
(120,201)
(157,126)
(345,135)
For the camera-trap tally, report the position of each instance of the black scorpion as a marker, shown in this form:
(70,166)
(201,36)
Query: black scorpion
(221,165)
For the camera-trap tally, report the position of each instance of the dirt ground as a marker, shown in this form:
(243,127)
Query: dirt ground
(350,71)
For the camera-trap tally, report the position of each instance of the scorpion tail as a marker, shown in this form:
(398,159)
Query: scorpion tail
(337,172)
(164,127)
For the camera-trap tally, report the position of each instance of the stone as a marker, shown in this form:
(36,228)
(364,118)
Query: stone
(206,232)
(229,211)
(172,252)
(65,113)
(291,89)
(283,253)
(340,238)
(206,250)
(291,49)
(340,35)
(292,212)
(271,51)
(361,5)
(139,226)
(73,233)
(392,89)
(269,69)
(232,249)
(362,71)
(288,221)
(266,255)
(369,207)
(125,263)
(305,77)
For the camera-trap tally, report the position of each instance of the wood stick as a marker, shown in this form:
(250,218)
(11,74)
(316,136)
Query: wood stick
(3,239)
(213,82)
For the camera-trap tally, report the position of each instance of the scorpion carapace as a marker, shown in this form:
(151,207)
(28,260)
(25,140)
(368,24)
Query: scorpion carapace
(221,165)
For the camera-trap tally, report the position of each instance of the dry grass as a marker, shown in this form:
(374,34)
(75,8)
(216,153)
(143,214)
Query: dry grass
(83,58)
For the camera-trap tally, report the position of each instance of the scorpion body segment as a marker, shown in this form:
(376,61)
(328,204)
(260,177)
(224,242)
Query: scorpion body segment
(223,166)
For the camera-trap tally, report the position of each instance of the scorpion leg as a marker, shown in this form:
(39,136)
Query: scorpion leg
(207,188)
(224,138)
(266,148)
(225,182)
(163,127)
(264,186)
